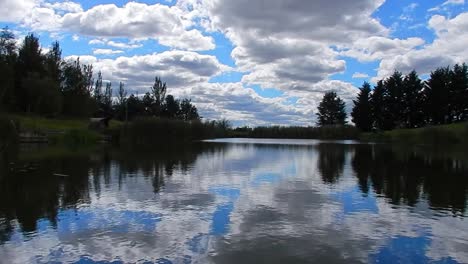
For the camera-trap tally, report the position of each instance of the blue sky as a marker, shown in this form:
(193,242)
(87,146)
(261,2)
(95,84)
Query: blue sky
(252,62)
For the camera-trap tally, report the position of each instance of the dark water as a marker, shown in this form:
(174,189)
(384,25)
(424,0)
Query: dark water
(294,202)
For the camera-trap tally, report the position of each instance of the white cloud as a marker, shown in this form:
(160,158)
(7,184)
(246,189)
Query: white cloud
(447,49)
(106,51)
(360,75)
(376,48)
(178,68)
(14,10)
(138,21)
(454,2)
(115,44)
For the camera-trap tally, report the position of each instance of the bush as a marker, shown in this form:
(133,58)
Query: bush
(76,137)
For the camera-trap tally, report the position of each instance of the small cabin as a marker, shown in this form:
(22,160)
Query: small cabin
(99,123)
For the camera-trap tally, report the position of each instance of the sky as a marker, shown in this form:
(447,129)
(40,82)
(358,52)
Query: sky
(253,62)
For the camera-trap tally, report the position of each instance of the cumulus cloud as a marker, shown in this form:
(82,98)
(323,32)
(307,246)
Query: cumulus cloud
(178,68)
(115,44)
(106,51)
(376,48)
(138,21)
(447,49)
(14,11)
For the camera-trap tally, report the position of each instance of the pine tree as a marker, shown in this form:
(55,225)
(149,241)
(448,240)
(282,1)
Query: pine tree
(378,106)
(436,96)
(361,113)
(331,110)
(413,111)
(393,100)
(459,92)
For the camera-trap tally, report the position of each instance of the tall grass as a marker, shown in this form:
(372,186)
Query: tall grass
(453,134)
(148,132)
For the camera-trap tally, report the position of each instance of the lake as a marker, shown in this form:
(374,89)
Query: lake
(235,201)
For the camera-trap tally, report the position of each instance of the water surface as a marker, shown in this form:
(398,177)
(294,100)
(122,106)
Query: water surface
(235,201)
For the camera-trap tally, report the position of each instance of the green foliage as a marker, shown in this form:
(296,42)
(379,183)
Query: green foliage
(154,132)
(73,137)
(331,110)
(453,134)
(361,113)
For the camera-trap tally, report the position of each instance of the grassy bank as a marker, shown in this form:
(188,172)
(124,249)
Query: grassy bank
(61,130)
(435,135)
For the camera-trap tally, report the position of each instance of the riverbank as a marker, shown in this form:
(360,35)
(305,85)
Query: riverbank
(452,134)
(150,131)
(37,129)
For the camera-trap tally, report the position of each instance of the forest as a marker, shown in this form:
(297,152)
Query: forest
(43,83)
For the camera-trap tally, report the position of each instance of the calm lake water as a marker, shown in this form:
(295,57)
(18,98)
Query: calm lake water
(235,201)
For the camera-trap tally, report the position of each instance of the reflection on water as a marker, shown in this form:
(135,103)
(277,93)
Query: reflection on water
(238,202)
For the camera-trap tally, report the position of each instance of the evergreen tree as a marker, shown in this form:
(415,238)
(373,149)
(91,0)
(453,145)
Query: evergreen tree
(331,110)
(459,93)
(436,96)
(378,106)
(393,100)
(361,113)
(413,111)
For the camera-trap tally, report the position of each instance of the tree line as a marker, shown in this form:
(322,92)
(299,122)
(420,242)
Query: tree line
(43,83)
(403,101)
(408,102)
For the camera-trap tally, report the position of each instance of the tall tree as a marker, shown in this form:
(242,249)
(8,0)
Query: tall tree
(436,95)
(413,102)
(77,99)
(361,113)
(30,62)
(393,100)
(459,92)
(98,89)
(158,91)
(8,58)
(107,99)
(331,110)
(120,108)
(378,106)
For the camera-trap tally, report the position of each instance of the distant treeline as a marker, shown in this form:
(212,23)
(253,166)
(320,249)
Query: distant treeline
(408,102)
(42,83)
(323,132)
(150,132)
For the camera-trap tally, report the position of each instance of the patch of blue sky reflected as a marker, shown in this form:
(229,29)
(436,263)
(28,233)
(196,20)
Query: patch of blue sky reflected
(403,249)
(353,201)
(70,221)
(268,177)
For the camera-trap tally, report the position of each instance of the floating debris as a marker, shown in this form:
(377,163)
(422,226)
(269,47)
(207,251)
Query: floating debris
(60,175)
